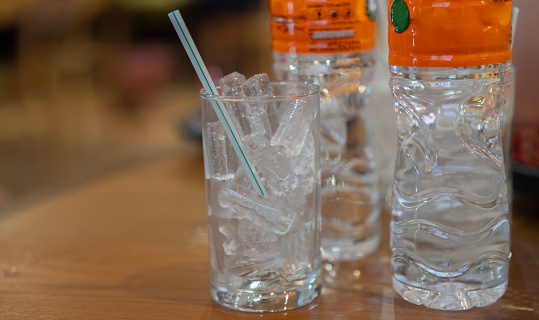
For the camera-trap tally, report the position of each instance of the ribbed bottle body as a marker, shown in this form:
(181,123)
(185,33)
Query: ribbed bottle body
(450,227)
(350,195)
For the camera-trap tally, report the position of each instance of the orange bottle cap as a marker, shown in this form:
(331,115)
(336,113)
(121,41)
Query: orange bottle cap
(449,33)
(322,26)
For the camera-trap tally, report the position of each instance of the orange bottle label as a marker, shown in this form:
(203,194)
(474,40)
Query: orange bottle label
(449,33)
(322,26)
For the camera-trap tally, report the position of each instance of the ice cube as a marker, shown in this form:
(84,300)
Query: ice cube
(280,166)
(274,166)
(238,110)
(240,91)
(295,250)
(297,141)
(264,213)
(259,127)
(230,245)
(241,183)
(255,112)
(260,85)
(253,235)
(255,143)
(304,164)
(221,164)
(255,263)
(230,81)
(274,115)
(224,199)
(294,126)
(216,190)
(250,117)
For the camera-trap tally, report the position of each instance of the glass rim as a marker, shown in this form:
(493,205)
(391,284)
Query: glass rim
(310,90)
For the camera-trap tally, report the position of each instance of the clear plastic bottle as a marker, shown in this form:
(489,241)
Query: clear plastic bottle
(450,227)
(331,44)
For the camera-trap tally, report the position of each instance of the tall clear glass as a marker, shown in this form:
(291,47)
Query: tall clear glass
(265,250)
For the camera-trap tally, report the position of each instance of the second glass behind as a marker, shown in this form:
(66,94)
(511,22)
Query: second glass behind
(264,249)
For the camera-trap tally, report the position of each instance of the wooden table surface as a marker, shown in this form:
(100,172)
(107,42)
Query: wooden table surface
(132,244)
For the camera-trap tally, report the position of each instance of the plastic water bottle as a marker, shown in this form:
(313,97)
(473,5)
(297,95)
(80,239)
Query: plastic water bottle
(450,76)
(331,44)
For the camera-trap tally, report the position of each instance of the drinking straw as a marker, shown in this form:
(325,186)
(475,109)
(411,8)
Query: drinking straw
(220,110)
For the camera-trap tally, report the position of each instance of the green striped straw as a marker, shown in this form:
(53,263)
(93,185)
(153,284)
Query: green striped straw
(220,110)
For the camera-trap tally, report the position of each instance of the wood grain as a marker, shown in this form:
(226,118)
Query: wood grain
(132,245)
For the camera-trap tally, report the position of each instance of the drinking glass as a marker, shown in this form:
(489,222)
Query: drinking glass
(264,249)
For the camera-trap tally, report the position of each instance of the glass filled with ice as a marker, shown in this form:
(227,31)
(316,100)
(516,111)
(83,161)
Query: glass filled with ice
(264,249)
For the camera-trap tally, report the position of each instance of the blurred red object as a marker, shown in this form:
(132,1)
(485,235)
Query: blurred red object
(144,68)
(526,146)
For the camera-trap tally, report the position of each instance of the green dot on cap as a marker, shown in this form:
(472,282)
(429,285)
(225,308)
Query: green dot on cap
(400,16)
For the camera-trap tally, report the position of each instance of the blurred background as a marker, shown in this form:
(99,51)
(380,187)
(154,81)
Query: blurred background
(89,86)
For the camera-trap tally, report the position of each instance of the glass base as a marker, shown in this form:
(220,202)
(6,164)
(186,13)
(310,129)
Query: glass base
(452,298)
(343,250)
(244,300)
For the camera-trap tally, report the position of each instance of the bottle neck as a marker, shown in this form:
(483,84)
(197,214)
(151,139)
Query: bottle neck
(355,59)
(476,72)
